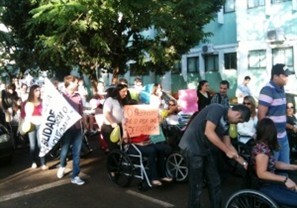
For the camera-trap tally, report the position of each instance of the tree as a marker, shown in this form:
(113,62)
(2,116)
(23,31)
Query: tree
(15,44)
(107,34)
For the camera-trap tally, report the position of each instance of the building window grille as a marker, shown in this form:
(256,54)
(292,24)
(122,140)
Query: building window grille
(283,56)
(255,3)
(278,1)
(257,59)
(193,64)
(211,62)
(229,6)
(230,61)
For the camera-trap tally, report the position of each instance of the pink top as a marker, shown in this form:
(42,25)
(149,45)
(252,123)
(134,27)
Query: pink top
(37,110)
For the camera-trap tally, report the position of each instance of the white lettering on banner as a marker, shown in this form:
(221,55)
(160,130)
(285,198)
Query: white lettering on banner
(58,116)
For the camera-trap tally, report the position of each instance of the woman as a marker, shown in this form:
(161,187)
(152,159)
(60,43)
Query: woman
(203,94)
(113,112)
(247,130)
(32,113)
(265,166)
(291,127)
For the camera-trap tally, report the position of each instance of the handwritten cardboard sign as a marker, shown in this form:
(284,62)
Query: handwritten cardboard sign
(141,120)
(187,100)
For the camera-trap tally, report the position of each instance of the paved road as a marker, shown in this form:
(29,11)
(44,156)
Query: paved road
(21,186)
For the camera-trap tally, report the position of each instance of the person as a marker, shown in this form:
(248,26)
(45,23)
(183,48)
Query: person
(82,90)
(206,131)
(247,130)
(23,92)
(113,113)
(221,97)
(9,99)
(291,127)
(138,84)
(265,166)
(203,94)
(111,87)
(74,135)
(32,112)
(272,104)
(156,98)
(156,154)
(243,89)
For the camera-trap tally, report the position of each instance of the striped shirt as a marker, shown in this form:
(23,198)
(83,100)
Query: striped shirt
(274,97)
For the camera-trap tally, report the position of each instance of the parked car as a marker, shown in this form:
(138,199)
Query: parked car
(6,145)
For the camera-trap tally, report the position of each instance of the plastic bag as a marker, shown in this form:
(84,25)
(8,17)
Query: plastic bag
(115,134)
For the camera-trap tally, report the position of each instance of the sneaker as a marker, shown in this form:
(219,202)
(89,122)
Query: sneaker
(34,166)
(77,180)
(44,167)
(166,179)
(156,183)
(60,172)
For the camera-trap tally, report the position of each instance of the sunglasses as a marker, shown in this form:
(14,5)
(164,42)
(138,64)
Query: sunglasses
(246,103)
(171,104)
(290,107)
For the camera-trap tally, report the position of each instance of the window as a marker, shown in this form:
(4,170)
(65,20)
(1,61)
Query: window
(229,6)
(257,59)
(278,1)
(230,61)
(211,62)
(193,64)
(255,3)
(284,56)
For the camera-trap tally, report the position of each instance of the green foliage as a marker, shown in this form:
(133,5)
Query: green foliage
(91,34)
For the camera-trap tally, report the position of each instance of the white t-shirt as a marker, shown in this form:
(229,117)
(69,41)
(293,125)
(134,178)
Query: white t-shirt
(113,107)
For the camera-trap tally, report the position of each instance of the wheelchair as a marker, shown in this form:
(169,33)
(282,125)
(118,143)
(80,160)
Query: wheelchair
(122,167)
(250,196)
(176,166)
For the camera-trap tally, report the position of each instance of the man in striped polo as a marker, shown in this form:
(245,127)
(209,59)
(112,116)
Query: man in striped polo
(272,104)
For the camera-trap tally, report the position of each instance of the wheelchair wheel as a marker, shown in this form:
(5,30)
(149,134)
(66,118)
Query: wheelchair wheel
(143,186)
(250,198)
(119,168)
(176,167)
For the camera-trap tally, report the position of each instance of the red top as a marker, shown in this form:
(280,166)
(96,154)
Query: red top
(139,139)
(36,112)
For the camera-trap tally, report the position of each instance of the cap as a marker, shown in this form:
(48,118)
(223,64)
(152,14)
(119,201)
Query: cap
(279,69)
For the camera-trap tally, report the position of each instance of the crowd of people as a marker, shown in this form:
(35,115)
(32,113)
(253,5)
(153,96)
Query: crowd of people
(268,126)
(262,126)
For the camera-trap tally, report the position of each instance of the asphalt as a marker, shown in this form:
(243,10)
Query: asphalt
(23,187)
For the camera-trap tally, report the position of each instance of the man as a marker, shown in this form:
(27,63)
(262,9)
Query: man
(243,89)
(208,130)
(222,97)
(74,135)
(272,104)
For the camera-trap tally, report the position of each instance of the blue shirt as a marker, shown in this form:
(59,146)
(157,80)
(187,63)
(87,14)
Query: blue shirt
(274,97)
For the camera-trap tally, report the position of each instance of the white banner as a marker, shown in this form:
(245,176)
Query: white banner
(57,116)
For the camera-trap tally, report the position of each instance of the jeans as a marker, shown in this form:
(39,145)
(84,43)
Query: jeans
(162,151)
(200,168)
(72,137)
(35,144)
(283,154)
(280,194)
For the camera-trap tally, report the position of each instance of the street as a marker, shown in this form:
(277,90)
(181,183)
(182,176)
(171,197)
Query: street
(22,186)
